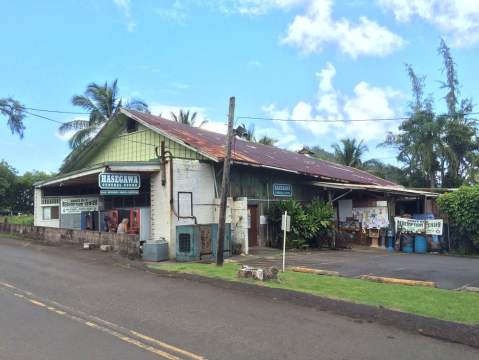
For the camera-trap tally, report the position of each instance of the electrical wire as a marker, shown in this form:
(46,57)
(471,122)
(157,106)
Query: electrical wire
(44,117)
(57,111)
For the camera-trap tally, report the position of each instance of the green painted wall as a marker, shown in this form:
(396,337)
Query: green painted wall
(137,146)
(257,183)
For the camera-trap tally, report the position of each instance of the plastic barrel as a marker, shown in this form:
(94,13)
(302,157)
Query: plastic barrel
(420,244)
(407,243)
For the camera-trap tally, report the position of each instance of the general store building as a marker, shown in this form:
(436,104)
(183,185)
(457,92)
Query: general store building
(164,177)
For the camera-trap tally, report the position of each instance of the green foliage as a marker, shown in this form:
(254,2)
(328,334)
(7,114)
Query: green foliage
(16,192)
(308,223)
(7,185)
(15,113)
(349,152)
(184,117)
(462,209)
(18,219)
(438,149)
(103,103)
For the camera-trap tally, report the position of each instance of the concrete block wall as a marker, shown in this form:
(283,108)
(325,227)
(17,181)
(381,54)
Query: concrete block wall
(125,244)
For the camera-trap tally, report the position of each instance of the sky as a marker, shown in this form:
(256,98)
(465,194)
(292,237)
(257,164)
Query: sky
(287,59)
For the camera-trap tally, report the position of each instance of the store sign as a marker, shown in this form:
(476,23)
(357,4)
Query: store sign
(284,190)
(428,227)
(78,205)
(119,184)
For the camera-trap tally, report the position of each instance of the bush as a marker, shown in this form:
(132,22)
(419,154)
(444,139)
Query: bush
(462,209)
(309,223)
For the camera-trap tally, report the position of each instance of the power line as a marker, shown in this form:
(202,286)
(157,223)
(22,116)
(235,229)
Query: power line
(57,111)
(332,120)
(44,117)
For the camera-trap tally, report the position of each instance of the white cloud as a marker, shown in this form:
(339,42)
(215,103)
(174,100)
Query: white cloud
(125,7)
(261,7)
(316,28)
(366,102)
(456,19)
(165,111)
(176,12)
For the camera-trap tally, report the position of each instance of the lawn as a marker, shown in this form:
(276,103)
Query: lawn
(442,304)
(18,219)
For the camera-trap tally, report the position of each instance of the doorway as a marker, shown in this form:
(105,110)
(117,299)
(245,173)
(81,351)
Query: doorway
(253,225)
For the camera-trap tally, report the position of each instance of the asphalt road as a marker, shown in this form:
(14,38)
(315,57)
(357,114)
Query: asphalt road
(64,303)
(449,272)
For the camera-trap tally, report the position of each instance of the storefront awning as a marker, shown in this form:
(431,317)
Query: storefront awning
(396,190)
(90,175)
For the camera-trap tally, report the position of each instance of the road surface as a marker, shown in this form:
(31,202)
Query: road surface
(64,303)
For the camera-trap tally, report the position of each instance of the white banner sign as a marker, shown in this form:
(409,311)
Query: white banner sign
(428,227)
(77,205)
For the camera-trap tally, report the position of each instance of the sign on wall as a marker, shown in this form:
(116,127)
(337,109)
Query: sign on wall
(428,227)
(119,184)
(284,190)
(77,205)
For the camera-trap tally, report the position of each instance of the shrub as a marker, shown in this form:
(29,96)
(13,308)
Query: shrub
(462,209)
(308,223)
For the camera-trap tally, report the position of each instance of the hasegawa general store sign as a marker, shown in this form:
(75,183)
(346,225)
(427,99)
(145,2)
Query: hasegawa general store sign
(119,184)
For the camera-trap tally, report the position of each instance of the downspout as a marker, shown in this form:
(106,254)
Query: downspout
(163,163)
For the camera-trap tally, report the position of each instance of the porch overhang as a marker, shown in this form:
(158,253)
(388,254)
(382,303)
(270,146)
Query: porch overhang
(393,190)
(90,175)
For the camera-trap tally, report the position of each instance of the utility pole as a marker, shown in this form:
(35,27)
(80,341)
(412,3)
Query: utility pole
(225,185)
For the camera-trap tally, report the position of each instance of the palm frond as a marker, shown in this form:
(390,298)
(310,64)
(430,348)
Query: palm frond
(81,137)
(73,125)
(14,111)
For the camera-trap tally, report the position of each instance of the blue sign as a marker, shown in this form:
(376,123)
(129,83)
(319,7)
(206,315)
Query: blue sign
(284,190)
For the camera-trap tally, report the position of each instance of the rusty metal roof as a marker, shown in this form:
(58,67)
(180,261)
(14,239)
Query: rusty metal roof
(213,145)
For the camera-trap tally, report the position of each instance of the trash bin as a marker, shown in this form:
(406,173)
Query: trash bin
(407,243)
(420,244)
(155,250)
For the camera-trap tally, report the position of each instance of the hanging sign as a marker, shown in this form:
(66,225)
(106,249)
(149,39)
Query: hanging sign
(285,190)
(78,205)
(428,227)
(119,184)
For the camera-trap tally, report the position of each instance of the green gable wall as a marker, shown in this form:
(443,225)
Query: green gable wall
(137,146)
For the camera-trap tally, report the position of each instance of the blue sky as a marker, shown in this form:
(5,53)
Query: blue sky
(308,59)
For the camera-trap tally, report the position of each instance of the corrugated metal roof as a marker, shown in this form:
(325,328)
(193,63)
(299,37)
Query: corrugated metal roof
(213,145)
(399,190)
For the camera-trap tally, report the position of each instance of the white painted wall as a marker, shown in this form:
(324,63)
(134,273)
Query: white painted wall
(239,222)
(38,213)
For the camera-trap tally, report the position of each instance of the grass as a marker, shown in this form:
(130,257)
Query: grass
(462,307)
(18,219)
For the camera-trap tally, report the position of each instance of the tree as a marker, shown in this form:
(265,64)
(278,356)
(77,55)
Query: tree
(24,191)
(458,152)
(266,140)
(419,136)
(184,117)
(102,102)
(386,171)
(7,186)
(462,209)
(349,152)
(14,111)
(246,133)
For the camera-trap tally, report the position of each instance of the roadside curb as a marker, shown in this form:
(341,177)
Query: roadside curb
(388,280)
(439,329)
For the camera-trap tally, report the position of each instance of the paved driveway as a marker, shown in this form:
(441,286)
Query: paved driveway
(450,272)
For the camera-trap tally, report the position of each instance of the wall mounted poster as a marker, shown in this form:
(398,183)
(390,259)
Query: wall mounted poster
(372,217)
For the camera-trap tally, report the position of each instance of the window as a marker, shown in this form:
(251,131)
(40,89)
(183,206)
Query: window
(185,243)
(51,212)
(131,126)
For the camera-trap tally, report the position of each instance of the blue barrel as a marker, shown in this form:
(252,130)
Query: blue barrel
(407,243)
(420,244)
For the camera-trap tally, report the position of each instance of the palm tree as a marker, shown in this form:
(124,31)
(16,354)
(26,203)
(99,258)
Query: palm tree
(103,103)
(184,117)
(246,133)
(349,152)
(14,111)
(266,140)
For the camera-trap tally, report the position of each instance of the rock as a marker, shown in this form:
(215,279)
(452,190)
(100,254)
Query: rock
(258,273)
(106,248)
(88,246)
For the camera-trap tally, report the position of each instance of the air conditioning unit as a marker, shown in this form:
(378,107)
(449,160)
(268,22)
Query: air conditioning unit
(197,242)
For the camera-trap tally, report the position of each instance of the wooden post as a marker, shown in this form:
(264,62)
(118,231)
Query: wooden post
(225,185)
(333,243)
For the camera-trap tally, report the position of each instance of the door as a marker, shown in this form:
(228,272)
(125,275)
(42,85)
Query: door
(253,226)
